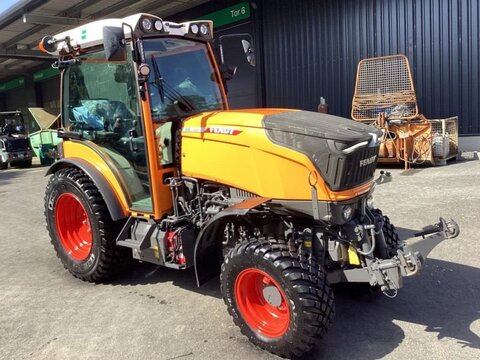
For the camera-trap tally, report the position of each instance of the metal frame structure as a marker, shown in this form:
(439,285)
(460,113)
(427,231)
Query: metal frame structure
(385,97)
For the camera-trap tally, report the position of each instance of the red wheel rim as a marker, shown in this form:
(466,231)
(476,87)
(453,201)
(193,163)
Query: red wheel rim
(269,316)
(73,226)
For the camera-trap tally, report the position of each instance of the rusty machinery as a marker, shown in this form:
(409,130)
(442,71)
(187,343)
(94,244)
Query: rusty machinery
(385,98)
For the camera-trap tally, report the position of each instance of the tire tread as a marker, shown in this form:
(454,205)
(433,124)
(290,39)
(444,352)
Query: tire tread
(309,283)
(111,259)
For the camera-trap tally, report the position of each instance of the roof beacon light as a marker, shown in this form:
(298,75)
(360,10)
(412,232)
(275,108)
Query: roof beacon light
(47,44)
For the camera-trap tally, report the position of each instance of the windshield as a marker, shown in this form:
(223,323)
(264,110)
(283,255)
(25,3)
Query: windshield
(182,80)
(11,124)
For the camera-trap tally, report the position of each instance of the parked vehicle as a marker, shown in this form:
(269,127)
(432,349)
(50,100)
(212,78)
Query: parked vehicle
(14,145)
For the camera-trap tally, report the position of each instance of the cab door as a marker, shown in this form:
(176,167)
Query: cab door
(102,106)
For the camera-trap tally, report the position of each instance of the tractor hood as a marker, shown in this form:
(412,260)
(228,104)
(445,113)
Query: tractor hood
(297,122)
(321,126)
(343,151)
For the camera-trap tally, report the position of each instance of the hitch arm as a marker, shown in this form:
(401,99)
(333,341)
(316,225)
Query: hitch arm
(433,235)
(449,228)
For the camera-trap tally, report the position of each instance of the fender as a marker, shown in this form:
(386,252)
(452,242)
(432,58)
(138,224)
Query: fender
(113,204)
(208,249)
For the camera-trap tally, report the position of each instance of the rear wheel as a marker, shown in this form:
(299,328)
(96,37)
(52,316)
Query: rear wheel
(3,165)
(280,301)
(80,226)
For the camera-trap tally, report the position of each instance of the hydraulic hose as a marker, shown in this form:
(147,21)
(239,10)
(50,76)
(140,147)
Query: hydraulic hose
(372,248)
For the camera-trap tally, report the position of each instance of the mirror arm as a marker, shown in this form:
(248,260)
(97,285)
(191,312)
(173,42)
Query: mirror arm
(135,51)
(132,133)
(62,64)
(222,59)
(141,87)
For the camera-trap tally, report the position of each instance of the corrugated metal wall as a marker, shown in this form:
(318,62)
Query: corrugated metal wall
(312,47)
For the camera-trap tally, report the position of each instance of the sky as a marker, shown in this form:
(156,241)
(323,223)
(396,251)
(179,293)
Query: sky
(5,4)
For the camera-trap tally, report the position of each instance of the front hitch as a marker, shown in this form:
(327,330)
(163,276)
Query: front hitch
(388,273)
(412,257)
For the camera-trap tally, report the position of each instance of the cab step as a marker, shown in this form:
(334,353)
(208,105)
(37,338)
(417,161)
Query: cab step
(136,234)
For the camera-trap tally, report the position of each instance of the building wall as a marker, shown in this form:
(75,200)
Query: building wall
(312,47)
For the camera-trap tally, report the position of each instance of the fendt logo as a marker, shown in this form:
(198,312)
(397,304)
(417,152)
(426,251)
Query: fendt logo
(222,130)
(212,130)
(368,161)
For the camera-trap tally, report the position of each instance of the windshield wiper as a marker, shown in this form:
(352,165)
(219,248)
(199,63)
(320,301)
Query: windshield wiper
(166,90)
(158,79)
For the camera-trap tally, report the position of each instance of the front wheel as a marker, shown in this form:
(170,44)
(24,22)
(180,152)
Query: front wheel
(280,301)
(392,240)
(80,227)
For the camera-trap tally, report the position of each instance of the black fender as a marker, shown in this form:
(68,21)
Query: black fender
(113,204)
(208,244)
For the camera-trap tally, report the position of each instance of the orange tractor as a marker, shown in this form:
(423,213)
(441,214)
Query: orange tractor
(154,166)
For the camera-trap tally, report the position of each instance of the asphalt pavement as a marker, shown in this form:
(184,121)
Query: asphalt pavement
(156,313)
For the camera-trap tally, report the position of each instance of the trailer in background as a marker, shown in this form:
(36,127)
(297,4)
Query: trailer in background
(43,136)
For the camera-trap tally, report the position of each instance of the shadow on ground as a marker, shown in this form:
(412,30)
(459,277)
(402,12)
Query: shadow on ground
(147,274)
(11,174)
(443,299)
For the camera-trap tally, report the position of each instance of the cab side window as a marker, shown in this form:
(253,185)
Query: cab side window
(98,98)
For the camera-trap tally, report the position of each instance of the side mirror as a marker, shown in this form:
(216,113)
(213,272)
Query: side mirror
(248,49)
(114,43)
(233,41)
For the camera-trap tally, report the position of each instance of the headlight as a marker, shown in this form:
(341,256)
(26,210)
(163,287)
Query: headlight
(203,29)
(144,69)
(194,29)
(347,212)
(146,24)
(158,25)
(369,202)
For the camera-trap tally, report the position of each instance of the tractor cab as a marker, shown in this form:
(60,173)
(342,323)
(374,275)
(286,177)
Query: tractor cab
(127,84)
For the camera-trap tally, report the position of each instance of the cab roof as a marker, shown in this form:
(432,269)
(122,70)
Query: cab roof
(91,34)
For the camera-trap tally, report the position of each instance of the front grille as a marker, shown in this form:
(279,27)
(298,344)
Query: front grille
(323,138)
(340,171)
(345,172)
(240,194)
(17,145)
